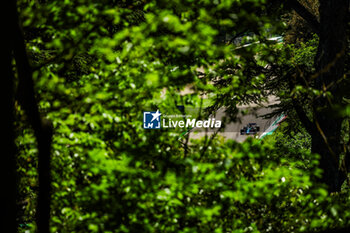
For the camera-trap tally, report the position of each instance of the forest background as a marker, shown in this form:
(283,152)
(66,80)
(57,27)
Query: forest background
(77,76)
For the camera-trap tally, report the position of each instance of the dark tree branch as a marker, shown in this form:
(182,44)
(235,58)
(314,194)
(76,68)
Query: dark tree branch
(309,126)
(42,128)
(305,14)
(307,123)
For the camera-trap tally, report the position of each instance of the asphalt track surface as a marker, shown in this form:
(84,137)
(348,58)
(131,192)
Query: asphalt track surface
(231,130)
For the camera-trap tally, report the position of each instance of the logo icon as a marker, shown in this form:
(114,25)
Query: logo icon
(151,120)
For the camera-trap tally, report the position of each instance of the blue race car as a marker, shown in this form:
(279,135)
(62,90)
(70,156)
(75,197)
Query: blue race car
(250,129)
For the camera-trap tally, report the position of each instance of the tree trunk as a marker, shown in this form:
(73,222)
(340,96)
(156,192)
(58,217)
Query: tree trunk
(15,50)
(329,63)
(329,152)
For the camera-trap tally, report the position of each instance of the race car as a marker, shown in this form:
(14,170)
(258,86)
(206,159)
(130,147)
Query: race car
(250,129)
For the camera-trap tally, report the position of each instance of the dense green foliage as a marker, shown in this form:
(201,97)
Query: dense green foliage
(99,64)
